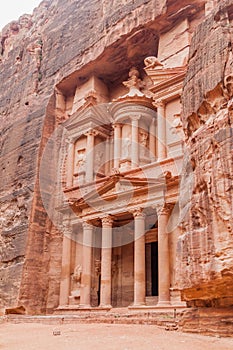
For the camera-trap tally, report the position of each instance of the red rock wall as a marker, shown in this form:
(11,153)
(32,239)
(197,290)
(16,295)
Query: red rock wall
(205,249)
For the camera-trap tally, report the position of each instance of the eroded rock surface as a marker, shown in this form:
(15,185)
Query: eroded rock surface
(205,248)
(43,56)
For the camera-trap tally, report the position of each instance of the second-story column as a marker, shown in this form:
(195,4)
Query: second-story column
(106,263)
(85,296)
(90,155)
(135,145)
(70,165)
(117,145)
(152,140)
(161,115)
(139,258)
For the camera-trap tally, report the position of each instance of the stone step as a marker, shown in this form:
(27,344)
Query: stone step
(162,319)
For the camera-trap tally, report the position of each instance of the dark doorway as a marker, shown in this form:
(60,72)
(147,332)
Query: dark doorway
(154,269)
(98,291)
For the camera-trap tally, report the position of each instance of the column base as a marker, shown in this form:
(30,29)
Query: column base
(84,306)
(164,304)
(104,307)
(139,304)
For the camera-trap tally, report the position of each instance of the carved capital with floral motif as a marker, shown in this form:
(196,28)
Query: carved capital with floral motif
(87,225)
(138,213)
(164,209)
(107,221)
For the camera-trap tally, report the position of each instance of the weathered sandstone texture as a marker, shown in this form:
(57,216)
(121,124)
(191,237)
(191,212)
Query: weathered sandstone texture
(43,58)
(205,248)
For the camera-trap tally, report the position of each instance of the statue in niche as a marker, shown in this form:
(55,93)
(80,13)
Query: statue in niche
(76,281)
(99,161)
(143,141)
(126,145)
(81,160)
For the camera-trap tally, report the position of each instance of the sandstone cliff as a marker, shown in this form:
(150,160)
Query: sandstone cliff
(205,248)
(46,53)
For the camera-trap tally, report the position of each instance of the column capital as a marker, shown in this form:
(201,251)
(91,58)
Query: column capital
(135,117)
(138,213)
(91,132)
(159,103)
(87,225)
(116,125)
(164,208)
(107,221)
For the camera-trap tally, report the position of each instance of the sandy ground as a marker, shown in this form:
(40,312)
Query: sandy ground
(104,337)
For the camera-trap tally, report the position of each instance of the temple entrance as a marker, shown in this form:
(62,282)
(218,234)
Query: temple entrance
(98,290)
(152,269)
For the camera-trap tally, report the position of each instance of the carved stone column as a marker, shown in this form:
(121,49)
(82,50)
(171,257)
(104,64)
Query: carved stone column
(162,148)
(163,255)
(107,156)
(85,296)
(90,155)
(117,145)
(135,145)
(70,165)
(139,258)
(106,259)
(65,271)
(152,139)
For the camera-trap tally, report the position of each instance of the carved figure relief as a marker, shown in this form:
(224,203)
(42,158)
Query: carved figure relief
(76,281)
(143,141)
(126,145)
(81,159)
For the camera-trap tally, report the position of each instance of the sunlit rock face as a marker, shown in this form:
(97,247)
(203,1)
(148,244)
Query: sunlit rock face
(205,247)
(67,57)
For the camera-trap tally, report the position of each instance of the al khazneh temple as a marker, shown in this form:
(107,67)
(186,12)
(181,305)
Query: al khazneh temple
(116,160)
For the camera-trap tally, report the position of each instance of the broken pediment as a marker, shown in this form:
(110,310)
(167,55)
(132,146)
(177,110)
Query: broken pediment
(89,119)
(163,79)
